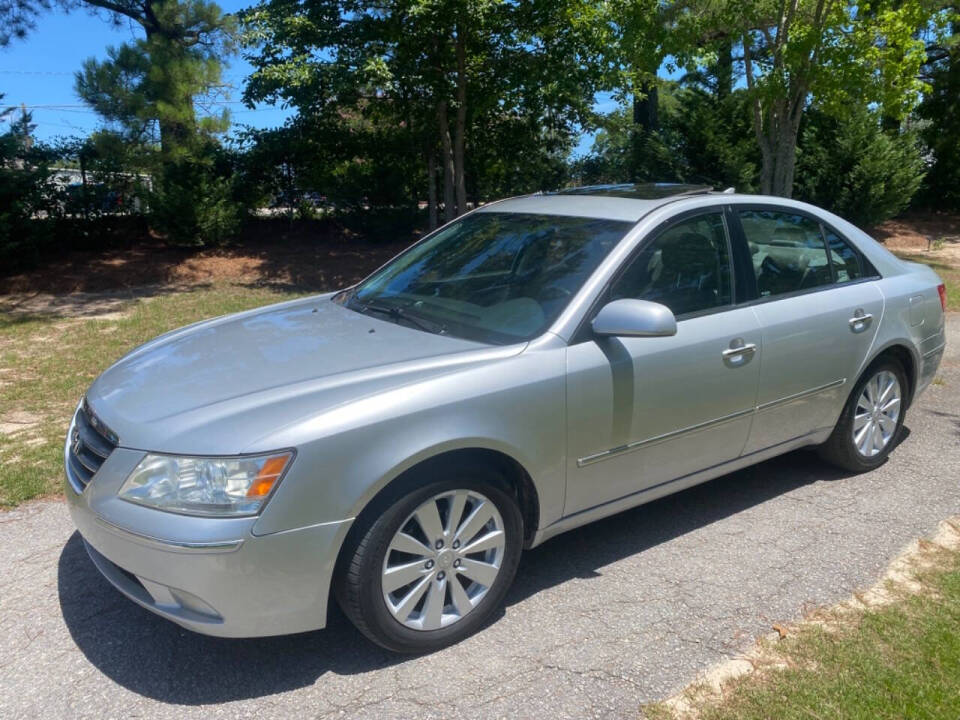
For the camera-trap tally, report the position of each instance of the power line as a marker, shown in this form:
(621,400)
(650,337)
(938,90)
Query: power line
(45,107)
(84,110)
(34,72)
(69,106)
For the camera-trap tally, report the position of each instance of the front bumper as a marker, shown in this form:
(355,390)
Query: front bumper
(210,575)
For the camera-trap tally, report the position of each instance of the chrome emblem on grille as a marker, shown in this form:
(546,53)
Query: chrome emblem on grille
(98,424)
(75,442)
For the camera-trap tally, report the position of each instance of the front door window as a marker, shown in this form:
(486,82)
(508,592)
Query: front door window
(686,268)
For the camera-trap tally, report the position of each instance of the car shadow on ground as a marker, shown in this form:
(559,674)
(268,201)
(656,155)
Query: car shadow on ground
(155,658)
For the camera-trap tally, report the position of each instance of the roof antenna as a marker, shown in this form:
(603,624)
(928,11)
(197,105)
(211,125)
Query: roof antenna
(729,191)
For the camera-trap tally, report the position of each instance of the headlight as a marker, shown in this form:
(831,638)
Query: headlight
(218,486)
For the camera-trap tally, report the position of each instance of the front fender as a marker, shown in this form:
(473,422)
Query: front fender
(346,456)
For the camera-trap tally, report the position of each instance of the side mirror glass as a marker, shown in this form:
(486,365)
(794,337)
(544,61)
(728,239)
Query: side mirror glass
(634,318)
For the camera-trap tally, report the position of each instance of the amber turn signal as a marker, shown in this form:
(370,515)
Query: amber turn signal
(267,477)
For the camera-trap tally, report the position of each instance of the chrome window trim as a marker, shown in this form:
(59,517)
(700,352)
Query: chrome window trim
(808,291)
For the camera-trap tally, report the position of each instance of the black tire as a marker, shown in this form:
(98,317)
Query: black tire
(357,584)
(840,449)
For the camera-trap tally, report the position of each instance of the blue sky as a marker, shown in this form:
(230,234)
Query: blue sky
(39,70)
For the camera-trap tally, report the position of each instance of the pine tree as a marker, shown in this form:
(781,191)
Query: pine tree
(148,91)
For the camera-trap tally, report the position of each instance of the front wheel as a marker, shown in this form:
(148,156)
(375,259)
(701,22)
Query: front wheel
(434,566)
(871,420)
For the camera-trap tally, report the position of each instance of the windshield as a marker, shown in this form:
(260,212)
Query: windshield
(491,277)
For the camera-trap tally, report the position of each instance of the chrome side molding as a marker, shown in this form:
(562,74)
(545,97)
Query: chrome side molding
(605,454)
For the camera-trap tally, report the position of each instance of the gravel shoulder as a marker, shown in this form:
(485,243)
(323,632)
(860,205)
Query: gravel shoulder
(605,618)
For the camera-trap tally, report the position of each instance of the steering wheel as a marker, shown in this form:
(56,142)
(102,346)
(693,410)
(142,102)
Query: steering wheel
(551,292)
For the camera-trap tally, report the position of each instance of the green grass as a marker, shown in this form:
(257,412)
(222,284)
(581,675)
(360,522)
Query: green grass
(47,362)
(899,661)
(950,274)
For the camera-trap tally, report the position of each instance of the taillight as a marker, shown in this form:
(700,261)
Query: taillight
(942,289)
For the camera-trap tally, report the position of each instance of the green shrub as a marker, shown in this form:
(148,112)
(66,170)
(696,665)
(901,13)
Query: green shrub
(27,198)
(193,203)
(940,116)
(854,168)
(715,138)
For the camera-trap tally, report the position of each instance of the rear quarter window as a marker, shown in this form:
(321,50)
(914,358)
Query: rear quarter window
(848,263)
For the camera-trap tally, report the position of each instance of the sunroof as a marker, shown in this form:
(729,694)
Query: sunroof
(637,191)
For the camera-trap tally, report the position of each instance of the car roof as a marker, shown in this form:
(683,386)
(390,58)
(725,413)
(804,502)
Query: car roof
(627,202)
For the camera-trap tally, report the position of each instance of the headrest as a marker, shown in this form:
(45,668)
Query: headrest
(688,251)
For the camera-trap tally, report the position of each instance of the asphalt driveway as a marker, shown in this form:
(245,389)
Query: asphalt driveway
(600,620)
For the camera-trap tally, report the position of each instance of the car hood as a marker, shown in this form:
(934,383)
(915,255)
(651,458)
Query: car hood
(216,386)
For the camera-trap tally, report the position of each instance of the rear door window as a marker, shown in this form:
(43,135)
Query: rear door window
(788,252)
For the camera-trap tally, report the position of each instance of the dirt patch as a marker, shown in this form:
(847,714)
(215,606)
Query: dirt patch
(919,232)
(898,581)
(307,256)
(106,306)
(18,422)
(930,232)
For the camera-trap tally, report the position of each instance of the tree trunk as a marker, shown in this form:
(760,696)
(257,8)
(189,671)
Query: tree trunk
(646,109)
(776,124)
(766,170)
(173,135)
(724,70)
(459,133)
(432,188)
(82,157)
(778,149)
(449,203)
(646,120)
(786,162)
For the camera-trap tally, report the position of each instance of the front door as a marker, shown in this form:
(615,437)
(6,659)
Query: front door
(645,411)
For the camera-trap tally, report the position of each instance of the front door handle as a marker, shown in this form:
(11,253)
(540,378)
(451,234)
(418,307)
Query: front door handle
(741,350)
(860,321)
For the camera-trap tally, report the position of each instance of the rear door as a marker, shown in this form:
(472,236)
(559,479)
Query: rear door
(818,310)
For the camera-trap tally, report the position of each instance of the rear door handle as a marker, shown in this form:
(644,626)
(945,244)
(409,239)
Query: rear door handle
(860,321)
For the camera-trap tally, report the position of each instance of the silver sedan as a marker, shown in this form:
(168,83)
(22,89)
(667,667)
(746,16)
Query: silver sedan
(535,365)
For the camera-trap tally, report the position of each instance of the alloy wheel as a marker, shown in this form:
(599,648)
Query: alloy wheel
(876,415)
(443,560)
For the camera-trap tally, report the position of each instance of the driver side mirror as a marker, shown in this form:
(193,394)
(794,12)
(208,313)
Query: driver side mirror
(634,318)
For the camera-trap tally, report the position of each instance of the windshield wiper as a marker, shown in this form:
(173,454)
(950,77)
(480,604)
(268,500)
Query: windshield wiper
(398,313)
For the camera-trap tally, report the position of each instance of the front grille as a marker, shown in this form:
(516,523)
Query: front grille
(89,445)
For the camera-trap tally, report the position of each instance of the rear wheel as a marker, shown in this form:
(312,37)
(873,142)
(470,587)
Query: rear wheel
(870,424)
(435,565)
